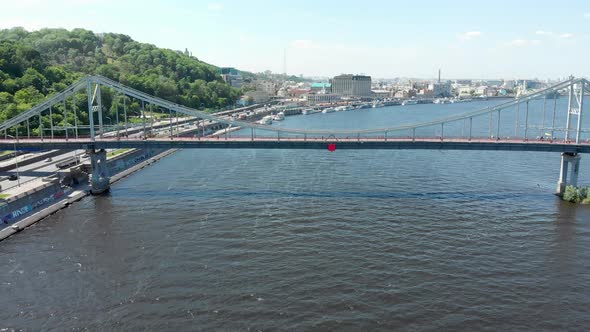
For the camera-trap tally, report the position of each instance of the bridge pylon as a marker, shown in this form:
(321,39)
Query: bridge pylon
(100,180)
(575,109)
(568,159)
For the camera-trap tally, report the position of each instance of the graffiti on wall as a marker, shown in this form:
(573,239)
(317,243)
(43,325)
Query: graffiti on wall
(12,216)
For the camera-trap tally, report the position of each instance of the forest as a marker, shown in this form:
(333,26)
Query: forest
(37,64)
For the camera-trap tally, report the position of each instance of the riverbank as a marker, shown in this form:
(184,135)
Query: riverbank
(70,195)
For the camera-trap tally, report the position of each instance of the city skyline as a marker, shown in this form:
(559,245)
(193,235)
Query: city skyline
(385,40)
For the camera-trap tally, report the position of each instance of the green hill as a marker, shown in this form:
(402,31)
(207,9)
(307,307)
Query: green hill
(36,64)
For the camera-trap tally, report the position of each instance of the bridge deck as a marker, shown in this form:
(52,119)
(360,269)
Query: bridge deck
(301,143)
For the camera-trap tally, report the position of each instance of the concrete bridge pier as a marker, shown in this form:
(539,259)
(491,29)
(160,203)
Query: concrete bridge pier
(568,159)
(100,180)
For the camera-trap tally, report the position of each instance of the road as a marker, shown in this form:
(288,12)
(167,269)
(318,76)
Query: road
(37,170)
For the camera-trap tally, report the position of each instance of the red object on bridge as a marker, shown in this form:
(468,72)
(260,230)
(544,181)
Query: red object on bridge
(332,147)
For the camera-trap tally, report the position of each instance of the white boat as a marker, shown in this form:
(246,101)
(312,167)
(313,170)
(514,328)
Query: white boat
(328,110)
(266,120)
(306,111)
(279,116)
(409,102)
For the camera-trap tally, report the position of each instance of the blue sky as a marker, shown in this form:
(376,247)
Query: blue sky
(467,39)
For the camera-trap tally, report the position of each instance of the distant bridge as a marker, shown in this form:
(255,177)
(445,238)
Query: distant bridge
(481,129)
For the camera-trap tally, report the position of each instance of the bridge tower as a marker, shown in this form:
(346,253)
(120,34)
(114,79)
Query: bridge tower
(574,110)
(100,180)
(575,107)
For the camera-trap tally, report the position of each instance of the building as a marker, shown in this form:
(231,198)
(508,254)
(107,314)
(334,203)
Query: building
(440,89)
(257,97)
(351,85)
(267,86)
(231,76)
(298,92)
(494,82)
(320,98)
(402,94)
(508,84)
(381,93)
(320,87)
(425,93)
(465,91)
(463,82)
(481,90)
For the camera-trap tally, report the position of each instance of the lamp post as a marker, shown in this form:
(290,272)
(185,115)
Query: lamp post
(15,159)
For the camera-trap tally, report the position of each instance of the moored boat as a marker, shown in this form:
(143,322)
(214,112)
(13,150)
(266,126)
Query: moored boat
(266,120)
(279,116)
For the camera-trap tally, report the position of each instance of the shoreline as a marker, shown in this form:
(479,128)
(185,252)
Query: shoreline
(75,195)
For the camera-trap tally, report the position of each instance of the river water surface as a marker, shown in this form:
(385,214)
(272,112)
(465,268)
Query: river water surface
(312,240)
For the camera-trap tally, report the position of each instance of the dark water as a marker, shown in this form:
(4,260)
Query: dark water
(311,240)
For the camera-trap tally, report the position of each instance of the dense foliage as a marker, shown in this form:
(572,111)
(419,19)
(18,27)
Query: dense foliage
(577,194)
(40,63)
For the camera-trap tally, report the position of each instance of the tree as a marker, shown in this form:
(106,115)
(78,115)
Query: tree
(32,78)
(28,95)
(36,64)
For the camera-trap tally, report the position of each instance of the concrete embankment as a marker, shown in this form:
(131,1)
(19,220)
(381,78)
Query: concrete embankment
(28,208)
(133,169)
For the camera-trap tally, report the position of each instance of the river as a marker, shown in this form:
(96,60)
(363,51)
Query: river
(312,240)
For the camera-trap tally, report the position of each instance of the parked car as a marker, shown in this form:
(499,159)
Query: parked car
(12,177)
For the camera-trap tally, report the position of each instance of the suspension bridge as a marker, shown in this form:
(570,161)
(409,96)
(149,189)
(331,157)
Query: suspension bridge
(55,124)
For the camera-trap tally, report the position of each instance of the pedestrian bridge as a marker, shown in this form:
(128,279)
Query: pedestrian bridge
(74,119)
(318,143)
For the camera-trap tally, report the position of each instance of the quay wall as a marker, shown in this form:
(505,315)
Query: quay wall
(23,205)
(124,161)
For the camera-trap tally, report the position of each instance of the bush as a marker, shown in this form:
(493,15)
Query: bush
(576,195)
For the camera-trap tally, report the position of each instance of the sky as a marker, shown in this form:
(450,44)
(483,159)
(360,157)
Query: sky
(385,39)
